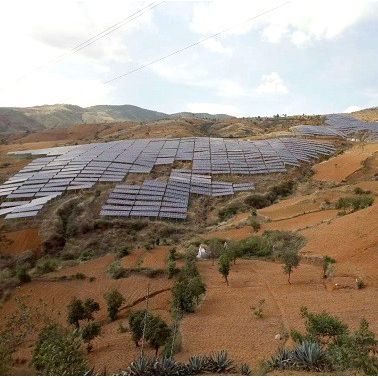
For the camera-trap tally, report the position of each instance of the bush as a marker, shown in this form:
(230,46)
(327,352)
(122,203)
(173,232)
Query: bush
(81,310)
(354,203)
(58,352)
(258,310)
(115,270)
(360,191)
(290,261)
(86,256)
(157,331)
(171,268)
(282,190)
(123,251)
(230,210)
(224,266)
(258,201)
(255,224)
(46,265)
(327,264)
(114,300)
(328,345)
(323,324)
(360,283)
(22,275)
(90,331)
(79,276)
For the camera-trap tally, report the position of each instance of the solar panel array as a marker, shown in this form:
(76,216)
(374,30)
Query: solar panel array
(322,131)
(348,125)
(82,166)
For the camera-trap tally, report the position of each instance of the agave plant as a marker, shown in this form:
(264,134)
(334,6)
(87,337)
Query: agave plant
(282,360)
(245,369)
(309,355)
(168,366)
(219,362)
(197,364)
(141,366)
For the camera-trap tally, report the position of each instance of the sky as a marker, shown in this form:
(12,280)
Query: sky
(268,57)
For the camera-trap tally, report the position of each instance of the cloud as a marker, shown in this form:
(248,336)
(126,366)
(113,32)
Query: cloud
(352,108)
(299,21)
(216,46)
(272,84)
(45,88)
(212,108)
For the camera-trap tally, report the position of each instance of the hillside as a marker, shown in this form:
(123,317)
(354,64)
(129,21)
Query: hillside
(65,115)
(369,115)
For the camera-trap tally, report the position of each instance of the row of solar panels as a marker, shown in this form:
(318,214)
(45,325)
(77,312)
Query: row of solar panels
(158,199)
(80,167)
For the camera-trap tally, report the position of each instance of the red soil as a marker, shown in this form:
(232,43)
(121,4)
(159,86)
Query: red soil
(340,167)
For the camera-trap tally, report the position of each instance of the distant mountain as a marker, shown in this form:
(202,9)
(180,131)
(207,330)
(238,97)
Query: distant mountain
(64,115)
(220,117)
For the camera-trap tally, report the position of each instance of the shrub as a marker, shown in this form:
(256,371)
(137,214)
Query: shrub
(255,224)
(81,310)
(58,352)
(90,331)
(115,270)
(79,276)
(86,256)
(123,251)
(171,268)
(114,300)
(257,201)
(157,331)
(290,261)
(360,283)
(327,263)
(22,275)
(360,191)
(258,310)
(322,324)
(46,265)
(224,266)
(283,190)
(354,203)
(230,210)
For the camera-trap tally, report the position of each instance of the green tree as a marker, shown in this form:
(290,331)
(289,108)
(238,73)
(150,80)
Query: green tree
(157,333)
(233,250)
(89,332)
(114,300)
(79,310)
(136,324)
(215,248)
(59,352)
(224,266)
(327,263)
(171,268)
(290,262)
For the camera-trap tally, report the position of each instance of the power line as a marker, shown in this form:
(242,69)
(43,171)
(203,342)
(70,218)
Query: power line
(97,37)
(196,43)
